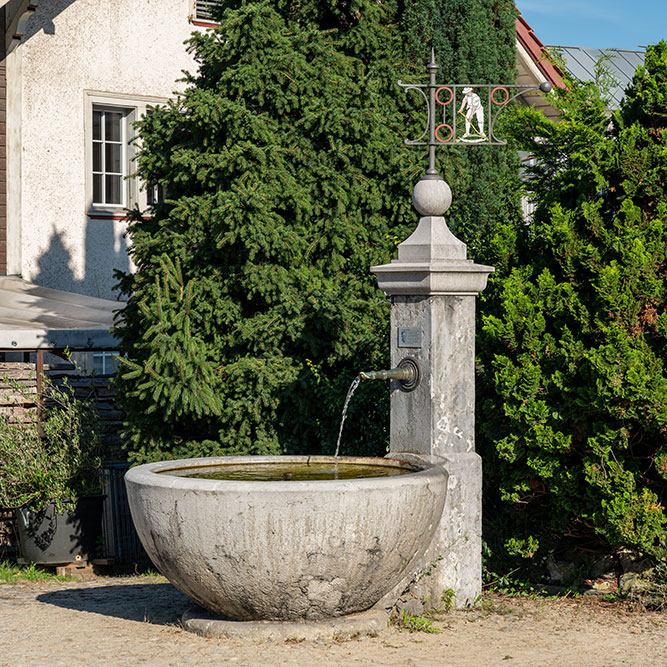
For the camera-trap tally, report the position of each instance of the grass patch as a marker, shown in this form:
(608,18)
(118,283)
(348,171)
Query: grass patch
(413,623)
(150,572)
(11,573)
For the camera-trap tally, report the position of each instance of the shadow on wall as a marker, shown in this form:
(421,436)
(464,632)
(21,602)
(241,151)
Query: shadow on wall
(39,17)
(104,249)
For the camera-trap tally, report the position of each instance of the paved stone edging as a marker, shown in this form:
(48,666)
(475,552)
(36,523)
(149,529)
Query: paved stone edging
(369,622)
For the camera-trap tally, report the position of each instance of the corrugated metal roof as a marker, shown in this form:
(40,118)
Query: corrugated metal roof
(580,62)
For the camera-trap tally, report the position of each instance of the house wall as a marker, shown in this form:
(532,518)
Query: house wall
(3,147)
(70,50)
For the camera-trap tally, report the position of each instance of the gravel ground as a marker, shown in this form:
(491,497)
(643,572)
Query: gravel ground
(135,621)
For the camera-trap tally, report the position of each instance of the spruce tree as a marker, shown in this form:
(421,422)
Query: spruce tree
(575,427)
(252,307)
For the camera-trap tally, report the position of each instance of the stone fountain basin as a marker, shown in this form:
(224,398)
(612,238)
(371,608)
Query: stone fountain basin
(284,550)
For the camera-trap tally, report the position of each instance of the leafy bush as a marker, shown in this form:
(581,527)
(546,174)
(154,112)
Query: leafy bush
(252,307)
(573,344)
(61,463)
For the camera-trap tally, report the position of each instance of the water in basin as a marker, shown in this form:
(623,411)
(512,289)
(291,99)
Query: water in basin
(296,472)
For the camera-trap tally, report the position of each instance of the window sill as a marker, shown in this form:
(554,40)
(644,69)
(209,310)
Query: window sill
(107,214)
(203,23)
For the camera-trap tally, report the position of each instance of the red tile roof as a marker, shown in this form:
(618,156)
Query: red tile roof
(538,53)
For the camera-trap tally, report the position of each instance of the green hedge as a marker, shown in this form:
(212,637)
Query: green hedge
(573,405)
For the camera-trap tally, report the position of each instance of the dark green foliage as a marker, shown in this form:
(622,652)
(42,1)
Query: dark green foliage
(574,420)
(253,306)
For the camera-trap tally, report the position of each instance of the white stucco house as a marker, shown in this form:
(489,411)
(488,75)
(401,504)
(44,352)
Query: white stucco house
(74,75)
(78,73)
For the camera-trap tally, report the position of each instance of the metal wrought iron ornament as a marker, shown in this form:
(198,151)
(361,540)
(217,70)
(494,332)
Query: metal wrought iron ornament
(463,114)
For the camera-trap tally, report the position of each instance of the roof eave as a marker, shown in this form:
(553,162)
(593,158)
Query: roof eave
(57,339)
(537,53)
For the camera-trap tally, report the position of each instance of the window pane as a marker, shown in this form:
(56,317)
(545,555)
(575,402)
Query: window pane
(204,8)
(97,189)
(112,120)
(112,364)
(104,363)
(112,158)
(109,159)
(113,189)
(97,156)
(97,124)
(98,363)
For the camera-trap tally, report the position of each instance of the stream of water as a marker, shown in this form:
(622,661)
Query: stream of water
(269,471)
(350,391)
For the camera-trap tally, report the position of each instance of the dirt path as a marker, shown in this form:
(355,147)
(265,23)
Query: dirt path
(134,621)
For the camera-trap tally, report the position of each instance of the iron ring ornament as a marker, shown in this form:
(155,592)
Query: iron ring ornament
(463,114)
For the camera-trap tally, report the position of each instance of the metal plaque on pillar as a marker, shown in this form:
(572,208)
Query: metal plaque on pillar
(409,337)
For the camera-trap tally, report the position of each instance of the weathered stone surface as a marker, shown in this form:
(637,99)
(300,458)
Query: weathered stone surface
(561,571)
(432,287)
(638,572)
(453,560)
(438,417)
(631,561)
(431,241)
(605,565)
(284,550)
(635,582)
(441,277)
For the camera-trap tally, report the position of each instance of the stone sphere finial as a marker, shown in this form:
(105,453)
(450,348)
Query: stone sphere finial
(431,197)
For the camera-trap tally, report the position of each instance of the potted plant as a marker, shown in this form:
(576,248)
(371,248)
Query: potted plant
(51,473)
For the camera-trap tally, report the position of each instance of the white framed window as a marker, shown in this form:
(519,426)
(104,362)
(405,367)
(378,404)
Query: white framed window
(110,164)
(95,363)
(203,9)
(111,182)
(104,363)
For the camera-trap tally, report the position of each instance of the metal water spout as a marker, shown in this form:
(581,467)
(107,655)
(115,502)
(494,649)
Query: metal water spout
(408,374)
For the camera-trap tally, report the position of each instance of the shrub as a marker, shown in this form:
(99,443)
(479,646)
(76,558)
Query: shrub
(61,463)
(573,346)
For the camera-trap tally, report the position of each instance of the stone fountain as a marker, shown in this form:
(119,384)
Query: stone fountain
(432,288)
(285,551)
(309,550)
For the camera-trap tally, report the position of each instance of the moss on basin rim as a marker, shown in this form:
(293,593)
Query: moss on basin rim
(284,550)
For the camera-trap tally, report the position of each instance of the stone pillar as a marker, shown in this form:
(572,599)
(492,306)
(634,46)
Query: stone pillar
(432,287)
